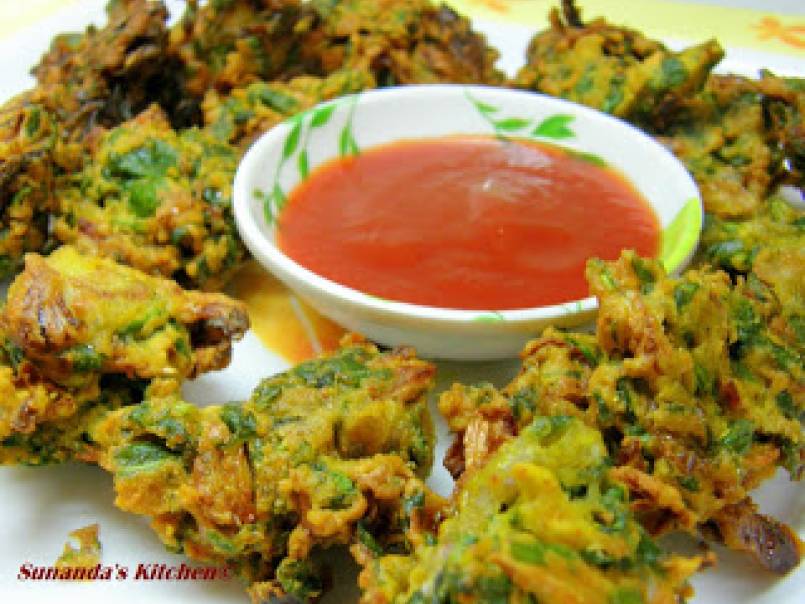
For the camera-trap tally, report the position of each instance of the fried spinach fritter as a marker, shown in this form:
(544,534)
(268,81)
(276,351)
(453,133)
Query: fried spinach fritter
(81,332)
(245,113)
(768,245)
(225,44)
(740,138)
(45,423)
(399,42)
(32,153)
(311,455)
(85,81)
(542,520)
(768,251)
(784,104)
(230,44)
(695,382)
(71,312)
(107,75)
(614,69)
(157,200)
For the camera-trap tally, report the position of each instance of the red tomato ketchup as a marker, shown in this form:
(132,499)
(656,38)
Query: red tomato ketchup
(464,222)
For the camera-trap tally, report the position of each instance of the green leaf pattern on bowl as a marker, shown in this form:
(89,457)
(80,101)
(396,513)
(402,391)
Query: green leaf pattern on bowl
(679,238)
(489,317)
(296,145)
(555,126)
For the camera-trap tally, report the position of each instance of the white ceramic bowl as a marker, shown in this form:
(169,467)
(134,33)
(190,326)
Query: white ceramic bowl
(286,154)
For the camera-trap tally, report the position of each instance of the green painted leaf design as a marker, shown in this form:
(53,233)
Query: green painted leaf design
(303,164)
(591,158)
(279,196)
(484,107)
(322,115)
(343,142)
(680,236)
(347,144)
(491,317)
(292,142)
(268,210)
(555,126)
(273,204)
(295,148)
(511,124)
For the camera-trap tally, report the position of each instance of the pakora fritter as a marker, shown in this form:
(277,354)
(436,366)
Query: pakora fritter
(614,69)
(400,42)
(543,520)
(784,101)
(62,417)
(31,153)
(315,455)
(695,382)
(71,312)
(231,43)
(107,75)
(245,113)
(80,332)
(225,45)
(740,138)
(768,245)
(85,81)
(156,199)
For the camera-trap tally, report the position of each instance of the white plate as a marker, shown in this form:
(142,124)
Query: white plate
(39,506)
